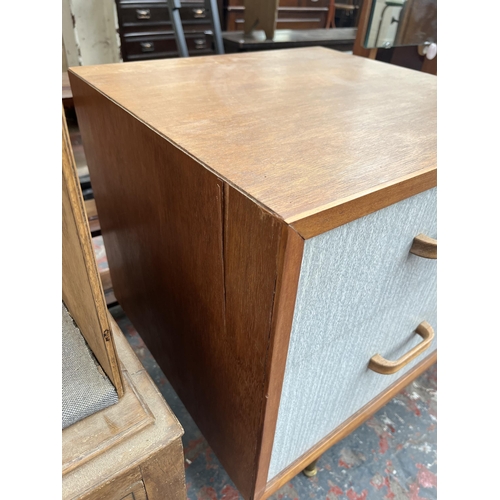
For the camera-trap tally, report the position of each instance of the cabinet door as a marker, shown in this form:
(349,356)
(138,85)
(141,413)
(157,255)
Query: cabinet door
(361,292)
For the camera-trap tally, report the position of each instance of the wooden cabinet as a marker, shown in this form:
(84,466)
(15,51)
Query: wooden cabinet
(129,451)
(265,251)
(146,31)
(292,14)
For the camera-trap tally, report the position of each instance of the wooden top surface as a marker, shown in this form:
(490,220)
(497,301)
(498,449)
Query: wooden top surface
(298,130)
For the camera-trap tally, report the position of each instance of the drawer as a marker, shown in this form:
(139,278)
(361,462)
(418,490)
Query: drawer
(143,14)
(310,3)
(194,13)
(288,18)
(154,46)
(360,293)
(287,3)
(164,29)
(148,14)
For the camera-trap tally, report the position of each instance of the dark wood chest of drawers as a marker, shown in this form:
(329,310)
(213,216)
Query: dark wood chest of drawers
(146,30)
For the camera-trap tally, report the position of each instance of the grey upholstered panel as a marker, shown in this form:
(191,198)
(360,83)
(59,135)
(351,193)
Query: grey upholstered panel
(360,293)
(85,387)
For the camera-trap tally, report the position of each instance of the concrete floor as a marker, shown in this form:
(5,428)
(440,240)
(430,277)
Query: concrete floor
(391,457)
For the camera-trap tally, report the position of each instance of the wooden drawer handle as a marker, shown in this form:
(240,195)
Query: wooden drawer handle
(381,365)
(425,247)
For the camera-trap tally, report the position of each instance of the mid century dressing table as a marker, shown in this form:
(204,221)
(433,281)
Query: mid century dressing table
(270,225)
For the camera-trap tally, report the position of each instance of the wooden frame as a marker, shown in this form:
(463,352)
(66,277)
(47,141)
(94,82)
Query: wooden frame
(81,286)
(364,18)
(130,450)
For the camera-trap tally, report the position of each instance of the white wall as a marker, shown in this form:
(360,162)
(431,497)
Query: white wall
(90,32)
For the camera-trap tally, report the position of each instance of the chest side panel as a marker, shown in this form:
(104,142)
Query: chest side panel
(193,264)
(360,293)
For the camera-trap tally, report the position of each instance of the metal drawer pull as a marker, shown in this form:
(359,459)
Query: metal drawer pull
(200,43)
(424,246)
(199,13)
(143,13)
(147,46)
(385,367)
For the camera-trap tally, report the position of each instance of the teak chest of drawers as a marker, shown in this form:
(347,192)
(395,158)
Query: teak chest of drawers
(265,251)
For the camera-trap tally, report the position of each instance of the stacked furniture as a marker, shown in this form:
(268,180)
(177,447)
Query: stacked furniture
(146,30)
(270,227)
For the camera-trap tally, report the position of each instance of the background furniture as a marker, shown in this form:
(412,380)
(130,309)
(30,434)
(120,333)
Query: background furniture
(339,39)
(410,56)
(348,9)
(212,11)
(266,273)
(131,449)
(261,15)
(292,14)
(146,30)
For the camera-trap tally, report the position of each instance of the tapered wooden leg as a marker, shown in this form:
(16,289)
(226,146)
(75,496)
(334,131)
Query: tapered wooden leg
(311,470)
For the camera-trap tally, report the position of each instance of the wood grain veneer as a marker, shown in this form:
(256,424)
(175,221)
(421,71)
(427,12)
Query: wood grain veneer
(92,217)
(179,269)
(206,210)
(370,126)
(289,261)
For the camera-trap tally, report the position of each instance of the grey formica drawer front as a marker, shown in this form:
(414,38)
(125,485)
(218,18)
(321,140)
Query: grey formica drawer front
(360,293)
